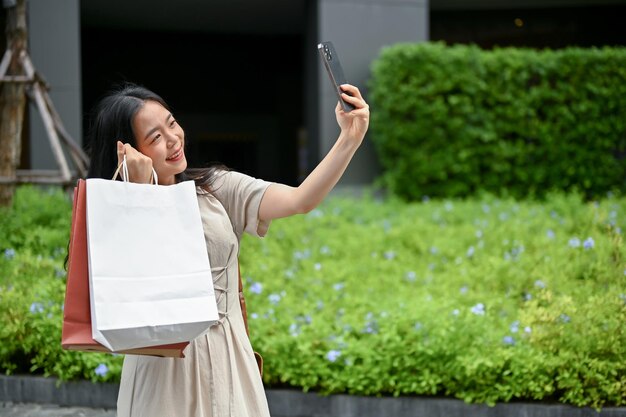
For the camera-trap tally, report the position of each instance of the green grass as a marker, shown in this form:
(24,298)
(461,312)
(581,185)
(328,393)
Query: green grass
(483,299)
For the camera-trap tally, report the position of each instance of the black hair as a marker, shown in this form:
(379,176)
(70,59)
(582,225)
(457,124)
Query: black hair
(112,120)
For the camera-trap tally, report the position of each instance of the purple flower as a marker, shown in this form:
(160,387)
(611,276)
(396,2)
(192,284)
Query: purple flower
(256,288)
(305,254)
(564,318)
(470,252)
(410,276)
(478,309)
(508,340)
(339,286)
(588,243)
(101,370)
(317,213)
(9,253)
(274,298)
(514,327)
(550,234)
(390,255)
(539,284)
(333,355)
(305,319)
(371,327)
(574,242)
(36,308)
(317,266)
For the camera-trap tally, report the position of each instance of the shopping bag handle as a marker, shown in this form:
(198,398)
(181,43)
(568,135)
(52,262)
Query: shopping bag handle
(123,170)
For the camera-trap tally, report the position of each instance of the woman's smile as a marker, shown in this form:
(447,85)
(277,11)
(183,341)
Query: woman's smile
(176,156)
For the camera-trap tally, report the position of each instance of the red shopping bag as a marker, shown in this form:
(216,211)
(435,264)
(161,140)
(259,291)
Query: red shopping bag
(76,334)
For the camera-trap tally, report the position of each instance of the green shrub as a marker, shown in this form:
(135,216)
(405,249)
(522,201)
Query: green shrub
(455,120)
(487,299)
(34,235)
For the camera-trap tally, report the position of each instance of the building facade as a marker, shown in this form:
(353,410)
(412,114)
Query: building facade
(244,78)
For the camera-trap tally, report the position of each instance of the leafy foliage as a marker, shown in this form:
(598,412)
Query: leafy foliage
(456,120)
(34,236)
(486,299)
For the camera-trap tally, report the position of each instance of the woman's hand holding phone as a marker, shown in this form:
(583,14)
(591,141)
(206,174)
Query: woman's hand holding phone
(352,111)
(353,124)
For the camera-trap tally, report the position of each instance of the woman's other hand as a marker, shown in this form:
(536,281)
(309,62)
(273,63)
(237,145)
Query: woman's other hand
(353,124)
(139,165)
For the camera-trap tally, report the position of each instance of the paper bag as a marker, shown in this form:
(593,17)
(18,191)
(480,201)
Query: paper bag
(149,274)
(76,333)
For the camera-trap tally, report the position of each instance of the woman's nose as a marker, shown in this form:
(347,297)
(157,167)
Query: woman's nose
(171,138)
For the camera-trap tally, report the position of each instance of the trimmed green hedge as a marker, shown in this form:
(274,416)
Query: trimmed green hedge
(455,120)
(488,300)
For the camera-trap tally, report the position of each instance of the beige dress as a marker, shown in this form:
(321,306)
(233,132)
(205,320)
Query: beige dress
(218,376)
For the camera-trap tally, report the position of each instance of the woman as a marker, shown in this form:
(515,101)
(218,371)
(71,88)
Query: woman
(219,374)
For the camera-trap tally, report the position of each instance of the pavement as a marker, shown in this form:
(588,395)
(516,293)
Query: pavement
(8,409)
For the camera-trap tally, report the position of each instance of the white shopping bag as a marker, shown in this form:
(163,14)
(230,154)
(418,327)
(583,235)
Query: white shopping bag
(149,275)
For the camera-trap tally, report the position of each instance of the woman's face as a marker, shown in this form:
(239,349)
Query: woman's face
(159,137)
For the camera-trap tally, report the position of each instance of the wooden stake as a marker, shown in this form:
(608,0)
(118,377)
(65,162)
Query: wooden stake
(18,81)
(12,99)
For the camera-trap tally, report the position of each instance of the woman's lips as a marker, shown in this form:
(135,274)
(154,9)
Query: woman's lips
(176,156)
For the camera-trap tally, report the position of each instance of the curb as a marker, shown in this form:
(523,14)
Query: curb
(292,403)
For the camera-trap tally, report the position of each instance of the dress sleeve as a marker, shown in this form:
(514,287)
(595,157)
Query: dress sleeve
(241,196)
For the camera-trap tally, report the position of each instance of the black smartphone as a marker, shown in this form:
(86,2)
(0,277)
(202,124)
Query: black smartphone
(329,57)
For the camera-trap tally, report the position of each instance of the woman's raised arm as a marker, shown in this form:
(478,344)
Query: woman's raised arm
(282,200)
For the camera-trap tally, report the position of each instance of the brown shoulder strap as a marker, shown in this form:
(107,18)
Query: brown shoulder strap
(242,302)
(244,313)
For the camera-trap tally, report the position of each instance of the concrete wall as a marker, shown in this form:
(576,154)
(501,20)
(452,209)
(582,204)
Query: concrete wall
(359,29)
(54,43)
(294,403)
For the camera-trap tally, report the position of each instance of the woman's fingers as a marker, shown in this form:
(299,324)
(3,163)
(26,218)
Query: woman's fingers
(358,102)
(352,95)
(120,152)
(139,165)
(352,90)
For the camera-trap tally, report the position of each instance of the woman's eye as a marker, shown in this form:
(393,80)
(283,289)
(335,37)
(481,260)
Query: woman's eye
(172,123)
(156,138)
